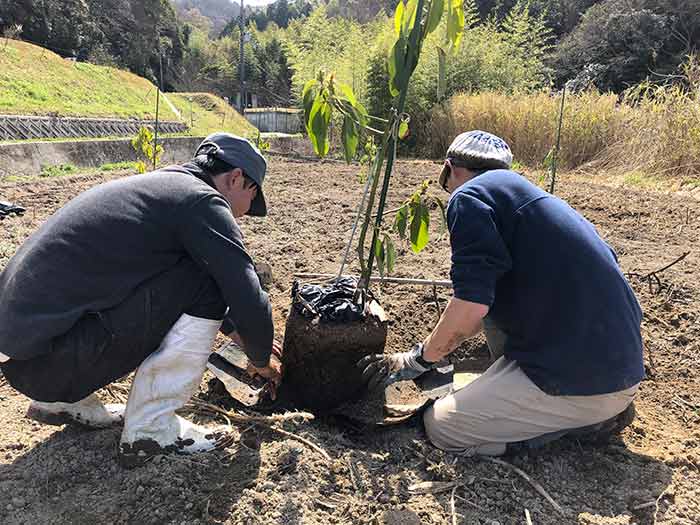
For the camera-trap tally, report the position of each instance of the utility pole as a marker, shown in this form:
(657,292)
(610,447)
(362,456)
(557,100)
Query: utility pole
(158,88)
(241,65)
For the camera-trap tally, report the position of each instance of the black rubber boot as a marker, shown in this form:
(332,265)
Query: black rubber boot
(603,431)
(597,434)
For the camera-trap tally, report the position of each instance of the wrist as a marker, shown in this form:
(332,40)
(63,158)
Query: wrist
(420,356)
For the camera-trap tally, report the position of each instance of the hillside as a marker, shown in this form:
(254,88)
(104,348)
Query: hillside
(218,12)
(55,86)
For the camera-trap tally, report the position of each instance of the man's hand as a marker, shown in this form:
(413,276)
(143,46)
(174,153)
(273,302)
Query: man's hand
(385,369)
(272,372)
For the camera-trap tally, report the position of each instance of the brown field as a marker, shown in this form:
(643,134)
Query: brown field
(649,475)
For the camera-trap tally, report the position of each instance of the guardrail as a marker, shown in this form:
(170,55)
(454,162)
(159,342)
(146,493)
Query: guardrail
(23,127)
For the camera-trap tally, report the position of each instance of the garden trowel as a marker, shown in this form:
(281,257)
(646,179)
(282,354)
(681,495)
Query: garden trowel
(437,382)
(432,385)
(229,364)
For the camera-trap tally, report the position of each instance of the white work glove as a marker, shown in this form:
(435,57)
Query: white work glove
(385,369)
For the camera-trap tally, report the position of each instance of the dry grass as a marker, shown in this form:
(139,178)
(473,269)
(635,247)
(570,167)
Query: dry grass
(651,130)
(529,123)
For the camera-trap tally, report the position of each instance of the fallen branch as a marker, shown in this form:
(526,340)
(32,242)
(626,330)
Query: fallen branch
(470,503)
(528,519)
(653,276)
(267,421)
(656,503)
(527,478)
(302,440)
(452,506)
(433,487)
(235,417)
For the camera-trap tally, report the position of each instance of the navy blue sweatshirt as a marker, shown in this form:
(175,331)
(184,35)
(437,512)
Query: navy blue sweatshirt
(94,251)
(553,286)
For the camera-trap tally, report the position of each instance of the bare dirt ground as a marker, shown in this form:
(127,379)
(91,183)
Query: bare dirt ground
(649,475)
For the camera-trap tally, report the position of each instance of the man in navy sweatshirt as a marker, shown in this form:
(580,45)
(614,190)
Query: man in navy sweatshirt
(139,273)
(561,321)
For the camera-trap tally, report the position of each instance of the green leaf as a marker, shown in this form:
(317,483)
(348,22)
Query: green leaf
(420,222)
(396,63)
(409,16)
(308,97)
(379,255)
(437,8)
(350,138)
(403,128)
(455,23)
(398,18)
(347,94)
(320,118)
(389,253)
(401,221)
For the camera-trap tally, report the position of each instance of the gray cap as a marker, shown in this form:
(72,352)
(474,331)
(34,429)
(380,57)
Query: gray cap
(238,152)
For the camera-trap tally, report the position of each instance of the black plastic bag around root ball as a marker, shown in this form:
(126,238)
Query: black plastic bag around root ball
(334,302)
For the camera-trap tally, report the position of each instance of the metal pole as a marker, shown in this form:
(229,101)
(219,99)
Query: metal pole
(155,137)
(241,65)
(357,221)
(393,280)
(555,158)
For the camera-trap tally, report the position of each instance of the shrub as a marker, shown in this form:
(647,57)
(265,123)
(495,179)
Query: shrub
(57,170)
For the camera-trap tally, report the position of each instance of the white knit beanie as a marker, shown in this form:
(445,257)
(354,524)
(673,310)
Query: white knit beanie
(481,145)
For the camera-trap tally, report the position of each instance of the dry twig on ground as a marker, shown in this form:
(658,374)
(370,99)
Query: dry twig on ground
(267,421)
(653,276)
(527,478)
(452,506)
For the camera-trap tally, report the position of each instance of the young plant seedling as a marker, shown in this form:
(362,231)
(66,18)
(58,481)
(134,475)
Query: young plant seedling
(320,357)
(414,20)
(146,149)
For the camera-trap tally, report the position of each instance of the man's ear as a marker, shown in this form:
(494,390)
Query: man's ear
(232,176)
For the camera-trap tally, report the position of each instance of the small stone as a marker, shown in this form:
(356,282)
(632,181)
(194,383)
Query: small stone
(189,506)
(267,485)
(9,507)
(383,498)
(18,502)
(139,490)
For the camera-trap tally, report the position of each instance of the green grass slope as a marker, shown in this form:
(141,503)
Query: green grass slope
(36,81)
(206,113)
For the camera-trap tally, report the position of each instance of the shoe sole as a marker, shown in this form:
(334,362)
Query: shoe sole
(62,418)
(144,450)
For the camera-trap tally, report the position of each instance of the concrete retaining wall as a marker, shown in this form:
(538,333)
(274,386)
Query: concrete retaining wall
(275,120)
(28,158)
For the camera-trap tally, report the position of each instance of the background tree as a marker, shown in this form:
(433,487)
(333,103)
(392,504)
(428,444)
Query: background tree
(616,45)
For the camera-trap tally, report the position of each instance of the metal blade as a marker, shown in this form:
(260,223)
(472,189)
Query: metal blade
(437,382)
(229,365)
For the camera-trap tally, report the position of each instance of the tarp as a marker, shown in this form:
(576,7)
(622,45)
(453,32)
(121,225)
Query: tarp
(334,302)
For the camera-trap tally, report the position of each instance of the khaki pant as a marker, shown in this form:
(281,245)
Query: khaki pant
(504,406)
